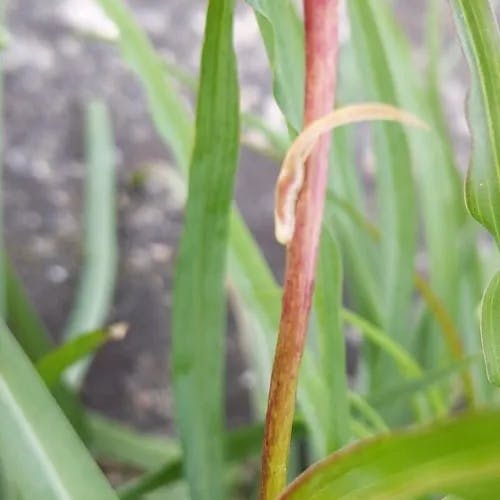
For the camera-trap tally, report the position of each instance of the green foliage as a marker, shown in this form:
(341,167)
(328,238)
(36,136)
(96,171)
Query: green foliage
(480,38)
(328,303)
(42,453)
(283,38)
(366,283)
(395,189)
(458,457)
(97,282)
(166,109)
(51,366)
(199,305)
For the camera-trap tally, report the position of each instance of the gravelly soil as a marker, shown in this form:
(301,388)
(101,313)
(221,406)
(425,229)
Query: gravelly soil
(51,71)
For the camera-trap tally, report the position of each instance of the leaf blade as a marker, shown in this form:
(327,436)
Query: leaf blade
(458,456)
(95,292)
(45,456)
(328,308)
(284,39)
(480,37)
(198,311)
(169,113)
(54,363)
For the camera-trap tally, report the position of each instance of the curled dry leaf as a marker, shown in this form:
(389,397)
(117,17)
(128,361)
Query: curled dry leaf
(292,172)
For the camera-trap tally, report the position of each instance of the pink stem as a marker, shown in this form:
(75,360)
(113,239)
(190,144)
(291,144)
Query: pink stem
(321,25)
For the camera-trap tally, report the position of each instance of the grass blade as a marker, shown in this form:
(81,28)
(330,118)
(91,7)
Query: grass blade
(328,306)
(95,292)
(45,457)
(239,444)
(283,37)
(113,441)
(395,194)
(168,111)
(22,318)
(368,412)
(480,39)
(199,312)
(434,304)
(51,366)
(256,301)
(408,388)
(34,339)
(437,180)
(458,456)
(407,364)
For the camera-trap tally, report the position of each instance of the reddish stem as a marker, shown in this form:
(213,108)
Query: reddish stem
(321,25)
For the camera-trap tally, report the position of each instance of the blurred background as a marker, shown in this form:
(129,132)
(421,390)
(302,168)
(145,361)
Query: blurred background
(60,55)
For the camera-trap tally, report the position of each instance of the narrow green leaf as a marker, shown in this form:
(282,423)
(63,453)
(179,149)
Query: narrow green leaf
(408,388)
(113,441)
(23,319)
(239,444)
(407,364)
(437,179)
(332,350)
(358,251)
(95,292)
(32,336)
(167,110)
(395,189)
(480,39)
(45,457)
(256,303)
(51,366)
(369,413)
(283,37)
(490,329)
(199,308)
(453,457)
(360,257)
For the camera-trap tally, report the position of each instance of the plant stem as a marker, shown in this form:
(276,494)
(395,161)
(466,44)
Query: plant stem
(321,25)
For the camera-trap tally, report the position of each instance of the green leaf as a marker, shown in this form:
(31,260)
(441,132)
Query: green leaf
(113,441)
(45,457)
(199,304)
(95,292)
(369,413)
(490,329)
(359,255)
(54,363)
(480,39)
(406,363)
(438,183)
(22,317)
(283,37)
(239,444)
(332,350)
(32,336)
(408,388)
(256,303)
(452,457)
(395,189)
(168,111)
